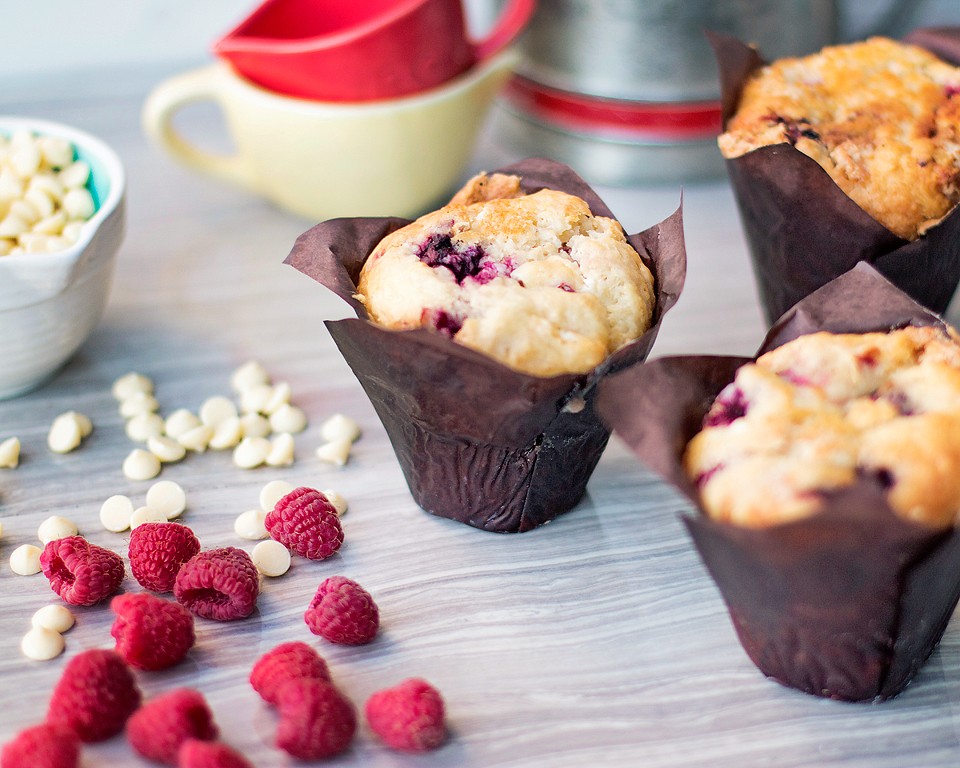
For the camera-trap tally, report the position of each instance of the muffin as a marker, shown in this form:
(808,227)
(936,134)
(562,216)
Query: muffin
(850,154)
(825,409)
(824,477)
(495,433)
(536,281)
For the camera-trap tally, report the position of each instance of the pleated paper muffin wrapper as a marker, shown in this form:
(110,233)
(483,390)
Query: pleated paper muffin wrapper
(477,441)
(847,603)
(802,230)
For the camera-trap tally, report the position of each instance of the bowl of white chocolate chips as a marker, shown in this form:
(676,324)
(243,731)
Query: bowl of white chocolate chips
(61,224)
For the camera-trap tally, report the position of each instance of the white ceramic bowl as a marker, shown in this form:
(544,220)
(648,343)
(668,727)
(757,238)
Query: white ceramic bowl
(49,303)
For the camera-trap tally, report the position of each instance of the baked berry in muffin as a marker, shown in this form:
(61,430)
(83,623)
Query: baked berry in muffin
(818,412)
(881,117)
(534,280)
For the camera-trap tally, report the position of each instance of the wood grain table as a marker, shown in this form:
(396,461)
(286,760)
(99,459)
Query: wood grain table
(597,640)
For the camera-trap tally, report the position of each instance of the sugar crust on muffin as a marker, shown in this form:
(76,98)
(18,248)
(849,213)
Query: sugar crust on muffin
(534,280)
(818,412)
(881,117)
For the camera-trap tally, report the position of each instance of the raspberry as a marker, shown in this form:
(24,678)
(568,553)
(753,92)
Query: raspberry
(209,754)
(156,552)
(220,584)
(161,725)
(151,633)
(286,662)
(80,572)
(316,720)
(408,716)
(95,695)
(343,612)
(305,522)
(42,746)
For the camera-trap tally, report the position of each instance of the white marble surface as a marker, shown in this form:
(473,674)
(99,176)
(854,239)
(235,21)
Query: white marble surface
(597,640)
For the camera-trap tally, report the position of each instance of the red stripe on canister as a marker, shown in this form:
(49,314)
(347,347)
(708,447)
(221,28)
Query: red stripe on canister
(644,120)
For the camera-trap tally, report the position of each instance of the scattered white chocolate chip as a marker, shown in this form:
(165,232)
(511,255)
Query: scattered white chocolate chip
(137,403)
(281,451)
(166,449)
(339,427)
(68,431)
(141,465)
(130,384)
(167,497)
(56,618)
(254,399)
(143,426)
(56,527)
(217,409)
(279,396)
(226,434)
(180,422)
(272,492)
(271,558)
(10,453)
(196,439)
(288,418)
(251,452)
(115,513)
(339,503)
(25,560)
(147,514)
(249,525)
(248,375)
(335,452)
(42,644)
(255,425)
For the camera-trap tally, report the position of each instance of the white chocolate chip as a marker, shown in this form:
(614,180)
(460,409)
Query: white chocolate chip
(13,226)
(137,403)
(279,396)
(271,558)
(248,375)
(249,525)
(281,451)
(217,409)
(251,452)
(335,452)
(166,449)
(143,515)
(272,492)
(288,418)
(42,644)
(56,618)
(227,434)
(51,225)
(66,432)
(56,527)
(141,465)
(25,560)
(131,384)
(254,425)
(180,422)
(143,426)
(254,399)
(74,175)
(10,453)
(78,203)
(339,427)
(115,513)
(168,497)
(57,152)
(339,503)
(196,439)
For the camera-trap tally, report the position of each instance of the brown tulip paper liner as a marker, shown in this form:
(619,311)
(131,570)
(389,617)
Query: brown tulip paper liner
(847,603)
(801,228)
(477,441)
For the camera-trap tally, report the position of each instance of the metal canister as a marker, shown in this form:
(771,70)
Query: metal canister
(626,91)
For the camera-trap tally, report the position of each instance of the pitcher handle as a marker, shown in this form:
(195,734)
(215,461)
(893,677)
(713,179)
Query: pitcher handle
(510,24)
(170,97)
